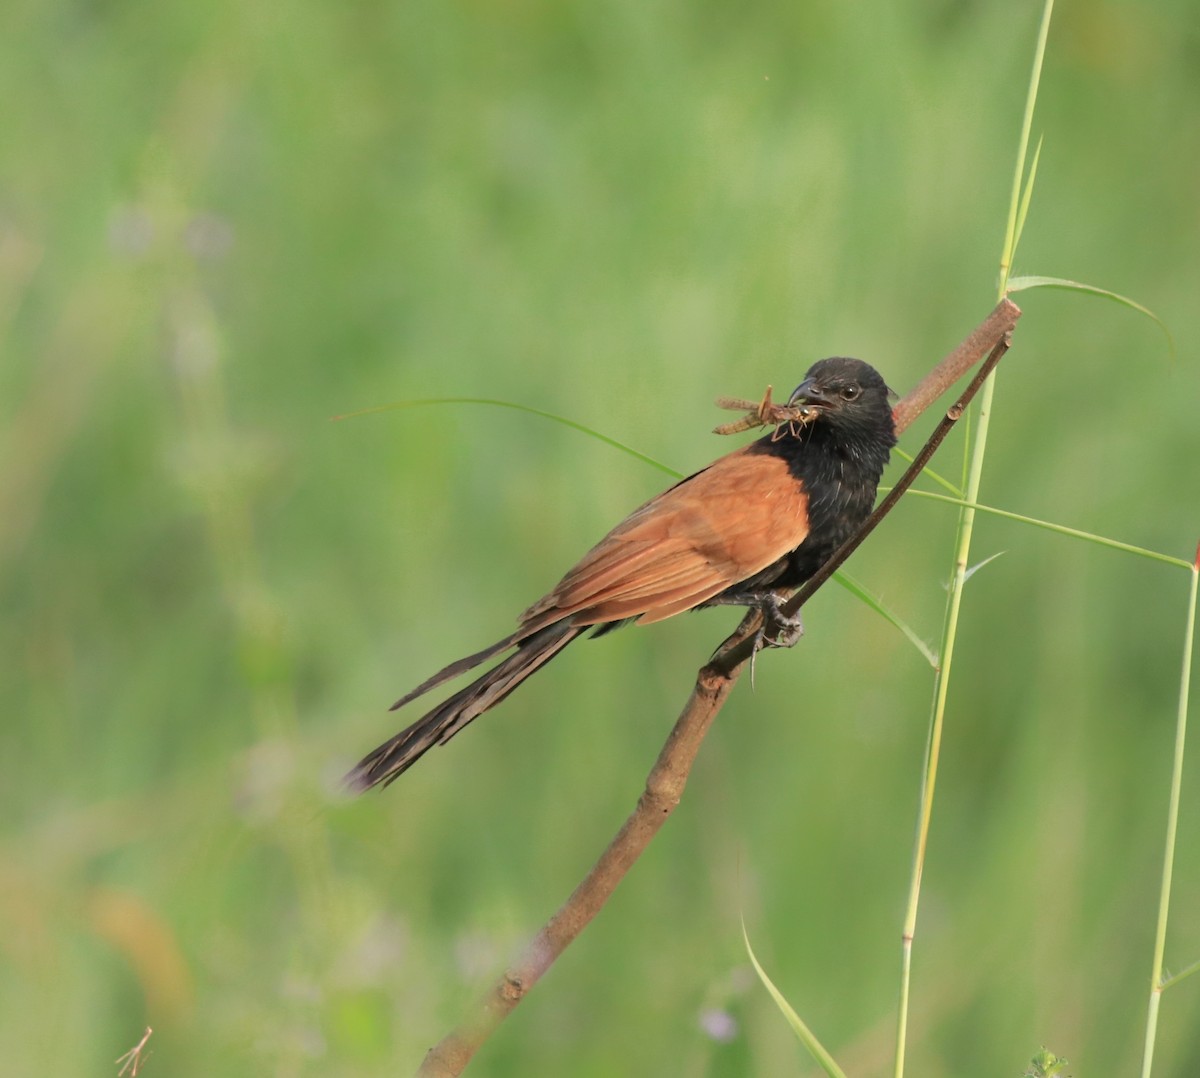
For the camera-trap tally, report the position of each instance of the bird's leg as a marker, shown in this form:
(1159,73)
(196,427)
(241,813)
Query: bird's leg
(777,630)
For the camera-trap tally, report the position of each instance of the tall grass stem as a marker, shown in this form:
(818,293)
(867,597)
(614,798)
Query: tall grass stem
(1157,984)
(1018,207)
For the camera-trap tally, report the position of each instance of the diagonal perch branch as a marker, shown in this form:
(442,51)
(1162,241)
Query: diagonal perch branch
(664,788)
(1002,320)
(714,682)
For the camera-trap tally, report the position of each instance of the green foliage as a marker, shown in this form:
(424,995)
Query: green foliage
(221,224)
(1046,1065)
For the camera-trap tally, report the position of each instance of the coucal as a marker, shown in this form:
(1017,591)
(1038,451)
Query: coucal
(748,529)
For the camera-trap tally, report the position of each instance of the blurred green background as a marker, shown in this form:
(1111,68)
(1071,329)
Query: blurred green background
(221,224)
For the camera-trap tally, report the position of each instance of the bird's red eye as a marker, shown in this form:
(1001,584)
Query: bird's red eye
(850,392)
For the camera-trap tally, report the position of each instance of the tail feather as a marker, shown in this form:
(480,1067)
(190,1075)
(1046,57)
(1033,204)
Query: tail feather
(456,668)
(394,757)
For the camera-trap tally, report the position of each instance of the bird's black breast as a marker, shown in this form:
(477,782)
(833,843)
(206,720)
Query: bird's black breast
(840,472)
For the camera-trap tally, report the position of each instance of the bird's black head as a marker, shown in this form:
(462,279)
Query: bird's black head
(850,396)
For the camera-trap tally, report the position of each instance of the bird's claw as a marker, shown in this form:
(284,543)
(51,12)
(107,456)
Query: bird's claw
(778,630)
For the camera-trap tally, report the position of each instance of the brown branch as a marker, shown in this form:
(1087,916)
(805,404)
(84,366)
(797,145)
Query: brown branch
(664,788)
(1002,320)
(714,682)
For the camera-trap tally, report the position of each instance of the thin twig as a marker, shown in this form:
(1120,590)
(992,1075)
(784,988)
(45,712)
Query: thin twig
(132,1060)
(714,682)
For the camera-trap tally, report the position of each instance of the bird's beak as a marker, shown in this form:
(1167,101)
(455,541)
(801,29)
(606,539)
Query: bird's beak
(808,393)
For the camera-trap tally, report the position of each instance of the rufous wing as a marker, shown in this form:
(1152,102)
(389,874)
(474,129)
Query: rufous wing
(706,533)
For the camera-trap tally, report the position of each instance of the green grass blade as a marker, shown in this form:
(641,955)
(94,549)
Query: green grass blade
(1026,196)
(1020,189)
(875,603)
(1024,283)
(1061,529)
(636,454)
(941,481)
(806,1036)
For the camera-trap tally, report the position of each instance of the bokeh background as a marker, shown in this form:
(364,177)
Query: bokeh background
(223,223)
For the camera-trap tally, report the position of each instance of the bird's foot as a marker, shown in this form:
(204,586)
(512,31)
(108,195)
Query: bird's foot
(778,630)
(775,629)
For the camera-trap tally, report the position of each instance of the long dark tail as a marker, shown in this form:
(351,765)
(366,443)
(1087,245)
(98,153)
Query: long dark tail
(388,762)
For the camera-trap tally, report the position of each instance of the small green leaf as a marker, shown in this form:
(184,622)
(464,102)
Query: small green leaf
(1046,1065)
(975,568)
(1175,978)
(1021,284)
(806,1036)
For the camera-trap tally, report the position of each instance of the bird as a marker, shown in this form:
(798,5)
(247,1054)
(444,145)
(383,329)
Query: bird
(746,531)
